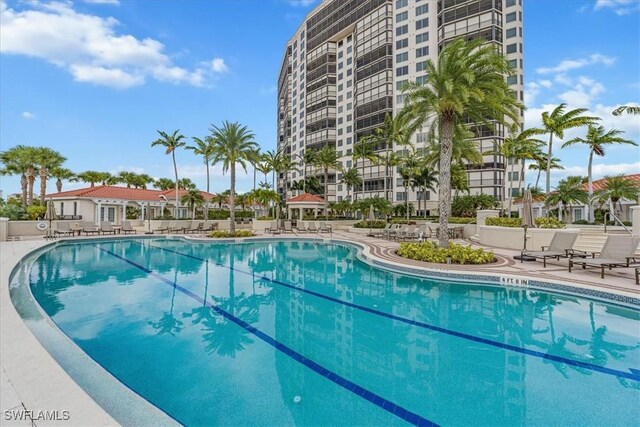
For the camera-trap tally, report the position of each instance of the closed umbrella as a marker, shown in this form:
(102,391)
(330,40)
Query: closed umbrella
(371,217)
(50,215)
(527,221)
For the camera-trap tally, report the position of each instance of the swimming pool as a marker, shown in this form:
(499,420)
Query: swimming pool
(283,333)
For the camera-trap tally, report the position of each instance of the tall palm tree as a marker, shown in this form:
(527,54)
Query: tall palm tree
(568,192)
(128,178)
(256,157)
(16,161)
(94,177)
(459,180)
(394,132)
(555,123)
(186,184)
(327,158)
(308,158)
(426,178)
(617,188)
(142,180)
(171,143)
(265,169)
(271,159)
(192,198)
(203,148)
(466,84)
(597,137)
(629,109)
(409,168)
(60,173)
(234,145)
(351,178)
(540,164)
(363,150)
(164,184)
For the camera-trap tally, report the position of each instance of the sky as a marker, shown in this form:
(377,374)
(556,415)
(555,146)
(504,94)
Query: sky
(96,79)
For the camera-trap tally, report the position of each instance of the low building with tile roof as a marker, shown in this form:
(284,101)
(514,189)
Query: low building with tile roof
(109,203)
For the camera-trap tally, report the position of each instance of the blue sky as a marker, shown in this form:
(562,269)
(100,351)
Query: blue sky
(95,79)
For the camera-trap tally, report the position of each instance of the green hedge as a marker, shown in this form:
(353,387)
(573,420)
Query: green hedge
(224,214)
(430,252)
(221,234)
(460,220)
(517,222)
(370,224)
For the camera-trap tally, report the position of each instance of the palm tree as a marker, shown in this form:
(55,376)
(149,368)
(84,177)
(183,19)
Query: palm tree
(327,158)
(409,167)
(192,199)
(567,192)
(220,199)
(16,161)
(308,158)
(265,196)
(142,180)
(128,178)
(93,177)
(256,156)
(233,145)
(284,164)
(186,184)
(616,188)
(426,178)
(204,149)
(556,123)
(540,164)
(393,133)
(265,169)
(60,173)
(629,109)
(595,139)
(351,178)
(171,143)
(164,184)
(271,159)
(459,181)
(466,84)
(363,150)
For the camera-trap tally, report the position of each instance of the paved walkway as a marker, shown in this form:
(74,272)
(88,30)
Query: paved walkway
(31,380)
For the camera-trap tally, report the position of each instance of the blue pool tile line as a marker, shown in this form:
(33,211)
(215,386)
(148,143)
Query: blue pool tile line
(387,405)
(633,374)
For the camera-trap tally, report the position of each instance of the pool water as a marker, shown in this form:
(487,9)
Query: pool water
(305,333)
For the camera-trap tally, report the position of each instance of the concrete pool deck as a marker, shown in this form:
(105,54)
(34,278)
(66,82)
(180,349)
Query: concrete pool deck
(31,380)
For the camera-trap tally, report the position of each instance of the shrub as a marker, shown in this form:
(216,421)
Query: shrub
(221,234)
(504,222)
(12,212)
(581,222)
(460,220)
(36,212)
(549,223)
(265,218)
(370,224)
(430,252)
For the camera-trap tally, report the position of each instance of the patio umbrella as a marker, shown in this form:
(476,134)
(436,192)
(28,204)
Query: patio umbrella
(527,221)
(50,215)
(371,217)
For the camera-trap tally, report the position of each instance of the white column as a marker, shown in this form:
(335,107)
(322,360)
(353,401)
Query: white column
(635,219)
(124,212)
(98,215)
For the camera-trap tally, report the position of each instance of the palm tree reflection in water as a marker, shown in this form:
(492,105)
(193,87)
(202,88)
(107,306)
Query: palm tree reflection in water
(168,324)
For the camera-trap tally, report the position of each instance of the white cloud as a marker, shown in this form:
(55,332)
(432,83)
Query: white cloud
(27,115)
(572,64)
(583,93)
(219,66)
(620,7)
(89,47)
(600,170)
(113,2)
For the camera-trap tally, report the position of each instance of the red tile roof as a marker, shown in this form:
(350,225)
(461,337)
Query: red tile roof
(122,193)
(599,184)
(306,197)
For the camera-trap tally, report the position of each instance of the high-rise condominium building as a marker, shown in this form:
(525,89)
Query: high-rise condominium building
(344,70)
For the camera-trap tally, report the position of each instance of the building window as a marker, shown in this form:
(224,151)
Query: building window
(400,84)
(513,63)
(511,17)
(510,3)
(404,29)
(402,43)
(512,32)
(421,65)
(512,80)
(423,23)
(401,57)
(422,9)
(401,196)
(577,214)
(402,16)
(401,3)
(402,71)
(75,208)
(61,208)
(423,51)
(420,38)
(421,80)
(400,98)
(512,48)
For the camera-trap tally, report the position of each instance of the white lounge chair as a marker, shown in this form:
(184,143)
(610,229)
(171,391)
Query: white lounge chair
(63,228)
(618,251)
(127,228)
(561,246)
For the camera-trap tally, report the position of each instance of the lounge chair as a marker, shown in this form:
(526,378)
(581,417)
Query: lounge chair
(273,228)
(196,227)
(163,227)
(127,228)
(89,228)
(408,232)
(62,228)
(399,230)
(391,231)
(618,251)
(177,227)
(423,232)
(312,228)
(287,227)
(325,228)
(561,246)
(380,232)
(106,227)
(301,227)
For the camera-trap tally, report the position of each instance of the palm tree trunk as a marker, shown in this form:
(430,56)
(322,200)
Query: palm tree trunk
(538,178)
(326,193)
(549,152)
(43,184)
(590,179)
(232,200)
(23,184)
(444,199)
(424,195)
(206,202)
(175,171)
(31,177)
(406,200)
(510,195)
(386,170)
